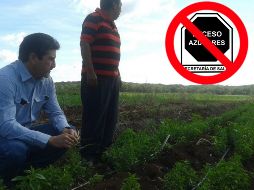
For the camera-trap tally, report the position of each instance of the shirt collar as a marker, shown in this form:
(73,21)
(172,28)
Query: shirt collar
(103,14)
(23,71)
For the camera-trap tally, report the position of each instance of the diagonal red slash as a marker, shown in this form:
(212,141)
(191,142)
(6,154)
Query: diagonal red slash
(206,42)
(231,67)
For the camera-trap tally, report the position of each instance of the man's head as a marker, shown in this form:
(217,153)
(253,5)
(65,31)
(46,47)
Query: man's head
(112,6)
(38,52)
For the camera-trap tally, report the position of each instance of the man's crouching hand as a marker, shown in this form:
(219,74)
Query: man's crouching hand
(67,139)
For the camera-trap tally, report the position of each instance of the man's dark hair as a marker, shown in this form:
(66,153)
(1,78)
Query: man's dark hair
(108,4)
(37,43)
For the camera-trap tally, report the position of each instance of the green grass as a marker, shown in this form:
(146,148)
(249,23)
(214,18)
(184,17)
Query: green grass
(68,94)
(133,148)
(126,98)
(69,100)
(162,98)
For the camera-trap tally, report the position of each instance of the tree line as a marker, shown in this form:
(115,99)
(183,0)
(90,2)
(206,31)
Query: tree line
(74,87)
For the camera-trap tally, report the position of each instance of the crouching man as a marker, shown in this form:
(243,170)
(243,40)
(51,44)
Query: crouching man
(26,88)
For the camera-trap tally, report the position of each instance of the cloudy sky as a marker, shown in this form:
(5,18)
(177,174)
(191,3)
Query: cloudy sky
(142,26)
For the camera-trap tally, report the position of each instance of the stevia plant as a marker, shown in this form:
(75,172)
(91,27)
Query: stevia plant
(131,183)
(2,186)
(33,180)
(226,175)
(131,148)
(181,177)
(60,176)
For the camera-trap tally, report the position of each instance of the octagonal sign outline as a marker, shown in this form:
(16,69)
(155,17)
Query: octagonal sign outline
(206,63)
(182,18)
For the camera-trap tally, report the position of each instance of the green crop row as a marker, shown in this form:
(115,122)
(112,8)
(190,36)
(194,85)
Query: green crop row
(61,176)
(231,131)
(229,175)
(129,98)
(132,148)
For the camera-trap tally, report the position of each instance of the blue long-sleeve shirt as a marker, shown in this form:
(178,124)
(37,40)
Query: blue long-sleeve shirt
(21,99)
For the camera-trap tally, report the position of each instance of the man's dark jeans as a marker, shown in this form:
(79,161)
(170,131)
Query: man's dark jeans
(100,115)
(16,156)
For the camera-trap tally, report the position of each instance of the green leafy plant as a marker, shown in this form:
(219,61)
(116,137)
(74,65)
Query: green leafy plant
(131,183)
(75,166)
(226,175)
(95,179)
(131,148)
(60,176)
(49,178)
(33,180)
(223,139)
(180,131)
(181,177)
(244,141)
(239,138)
(2,186)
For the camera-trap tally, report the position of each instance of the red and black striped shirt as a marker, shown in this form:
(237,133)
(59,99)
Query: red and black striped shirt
(102,35)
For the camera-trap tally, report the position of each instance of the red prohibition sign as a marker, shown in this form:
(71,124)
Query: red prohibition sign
(231,67)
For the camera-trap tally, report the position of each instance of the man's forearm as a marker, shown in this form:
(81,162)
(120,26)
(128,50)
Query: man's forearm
(86,54)
(87,63)
(13,130)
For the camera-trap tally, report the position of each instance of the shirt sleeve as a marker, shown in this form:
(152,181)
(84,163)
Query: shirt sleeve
(9,127)
(53,110)
(89,29)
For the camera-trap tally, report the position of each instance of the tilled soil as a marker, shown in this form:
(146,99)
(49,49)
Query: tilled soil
(150,175)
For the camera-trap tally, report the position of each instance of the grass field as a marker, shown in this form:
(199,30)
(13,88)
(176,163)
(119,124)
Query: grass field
(173,140)
(127,98)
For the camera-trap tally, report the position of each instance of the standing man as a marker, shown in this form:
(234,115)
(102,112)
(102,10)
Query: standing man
(100,50)
(26,88)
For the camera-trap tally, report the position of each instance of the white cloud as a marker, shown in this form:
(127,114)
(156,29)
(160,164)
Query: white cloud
(30,8)
(145,27)
(143,32)
(67,72)
(142,26)
(7,56)
(130,8)
(23,8)
(150,68)
(13,39)
(85,6)
(147,9)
